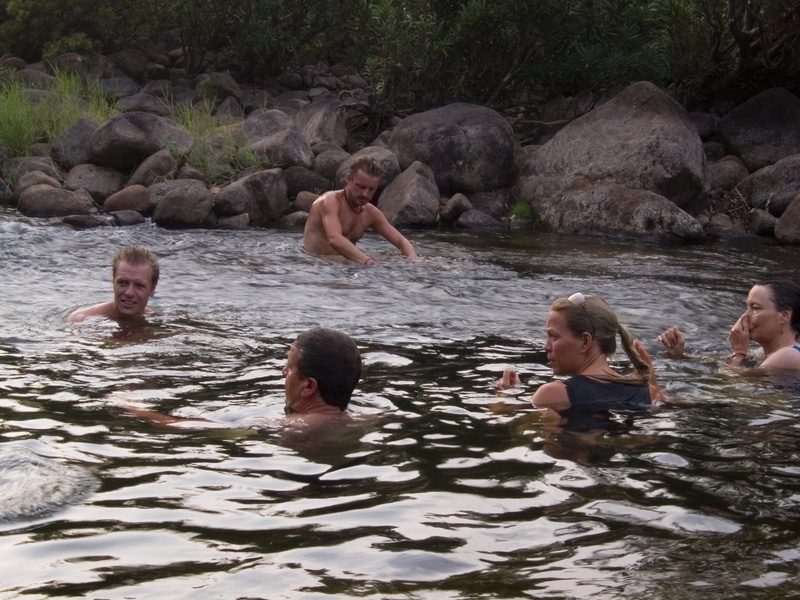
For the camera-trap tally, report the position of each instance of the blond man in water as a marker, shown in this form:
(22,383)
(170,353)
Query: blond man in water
(135,274)
(338,219)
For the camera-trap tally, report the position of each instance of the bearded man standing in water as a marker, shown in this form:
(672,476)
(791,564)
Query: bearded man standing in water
(338,219)
(135,274)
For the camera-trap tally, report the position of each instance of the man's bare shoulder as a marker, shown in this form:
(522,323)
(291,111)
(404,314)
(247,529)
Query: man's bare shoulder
(104,309)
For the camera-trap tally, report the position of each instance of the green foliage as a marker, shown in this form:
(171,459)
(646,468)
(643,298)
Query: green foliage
(43,28)
(28,117)
(521,210)
(423,53)
(76,42)
(18,127)
(220,151)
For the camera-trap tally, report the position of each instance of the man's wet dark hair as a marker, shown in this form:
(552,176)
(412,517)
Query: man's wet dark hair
(333,360)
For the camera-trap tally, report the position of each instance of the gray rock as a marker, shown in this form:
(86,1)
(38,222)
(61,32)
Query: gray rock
(88,221)
(72,148)
(284,148)
(726,173)
(185,209)
(495,204)
(295,220)
(787,229)
(156,167)
(762,223)
(640,139)
(262,195)
(322,121)
(131,198)
(46,201)
(16,168)
(454,207)
(470,148)
(477,220)
(144,103)
(127,218)
(100,182)
(764,129)
(118,87)
(33,178)
(773,188)
(304,200)
(241,221)
(412,198)
(125,140)
(706,123)
(300,179)
(582,206)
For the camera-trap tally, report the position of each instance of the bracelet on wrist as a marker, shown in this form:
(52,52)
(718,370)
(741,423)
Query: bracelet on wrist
(742,354)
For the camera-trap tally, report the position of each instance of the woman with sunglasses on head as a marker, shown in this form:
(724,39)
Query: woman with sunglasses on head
(772,320)
(581,336)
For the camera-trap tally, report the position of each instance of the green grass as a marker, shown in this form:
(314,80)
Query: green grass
(219,150)
(24,123)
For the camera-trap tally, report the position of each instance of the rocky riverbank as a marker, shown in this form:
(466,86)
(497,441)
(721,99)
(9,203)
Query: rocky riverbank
(636,165)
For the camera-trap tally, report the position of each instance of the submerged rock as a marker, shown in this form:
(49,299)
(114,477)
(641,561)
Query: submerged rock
(34,486)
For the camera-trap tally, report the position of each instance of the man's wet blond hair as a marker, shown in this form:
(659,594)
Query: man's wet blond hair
(368,164)
(136,255)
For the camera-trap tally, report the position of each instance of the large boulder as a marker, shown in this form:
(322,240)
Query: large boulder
(100,182)
(72,148)
(157,167)
(45,201)
(773,188)
(641,139)
(15,168)
(273,137)
(725,174)
(470,148)
(262,195)
(132,198)
(182,210)
(412,199)
(300,179)
(125,140)
(764,129)
(323,121)
(584,206)
(787,229)
(283,148)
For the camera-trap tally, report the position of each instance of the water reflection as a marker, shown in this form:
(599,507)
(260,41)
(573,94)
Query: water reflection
(441,494)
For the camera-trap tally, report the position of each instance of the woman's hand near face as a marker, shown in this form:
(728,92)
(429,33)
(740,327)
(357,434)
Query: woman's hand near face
(509,379)
(674,342)
(739,336)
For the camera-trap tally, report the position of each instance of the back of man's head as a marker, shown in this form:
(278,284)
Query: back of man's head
(333,360)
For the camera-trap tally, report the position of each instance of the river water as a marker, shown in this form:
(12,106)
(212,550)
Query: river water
(442,488)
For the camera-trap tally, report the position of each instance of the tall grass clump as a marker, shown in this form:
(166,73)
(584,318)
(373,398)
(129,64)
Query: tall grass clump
(28,117)
(18,125)
(220,150)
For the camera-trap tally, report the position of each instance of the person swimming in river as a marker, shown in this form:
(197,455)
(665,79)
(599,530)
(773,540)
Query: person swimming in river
(134,276)
(772,320)
(322,370)
(581,336)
